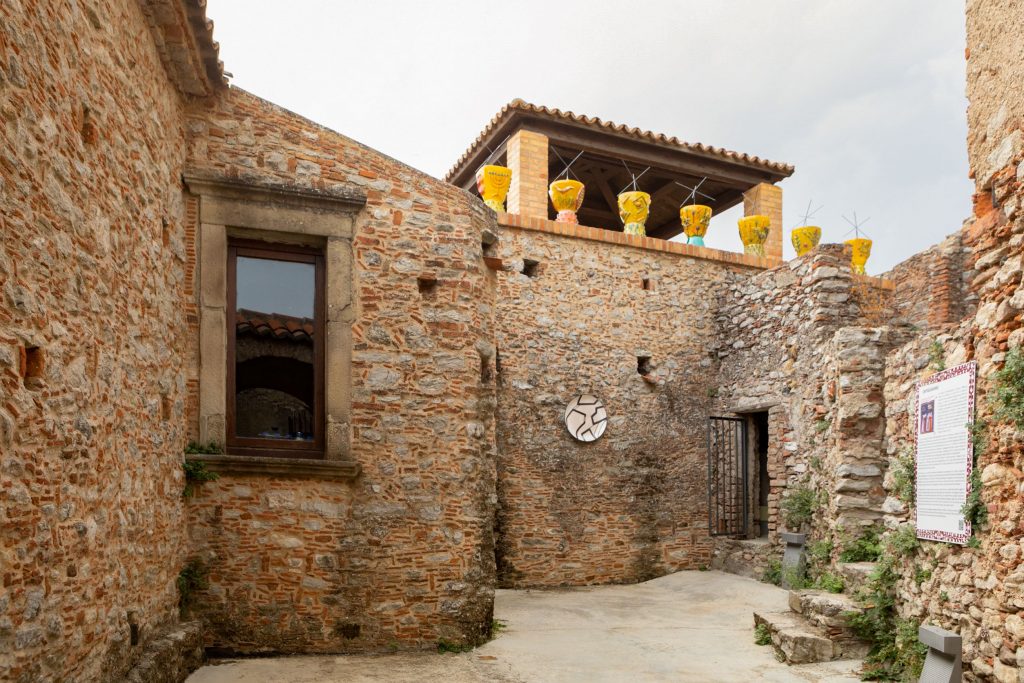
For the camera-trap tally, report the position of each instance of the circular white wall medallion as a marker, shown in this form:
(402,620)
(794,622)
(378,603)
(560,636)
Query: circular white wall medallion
(585,418)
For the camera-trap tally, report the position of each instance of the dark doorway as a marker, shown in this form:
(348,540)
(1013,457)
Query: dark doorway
(762,481)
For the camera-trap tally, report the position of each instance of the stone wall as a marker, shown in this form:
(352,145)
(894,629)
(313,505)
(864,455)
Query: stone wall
(978,591)
(403,555)
(92,336)
(777,348)
(635,327)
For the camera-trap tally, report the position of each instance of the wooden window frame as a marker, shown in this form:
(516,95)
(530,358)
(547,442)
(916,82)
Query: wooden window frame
(251,446)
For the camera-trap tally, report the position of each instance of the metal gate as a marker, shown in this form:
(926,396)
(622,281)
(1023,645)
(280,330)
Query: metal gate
(727,476)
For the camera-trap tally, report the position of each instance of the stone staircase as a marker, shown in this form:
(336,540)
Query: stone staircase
(814,629)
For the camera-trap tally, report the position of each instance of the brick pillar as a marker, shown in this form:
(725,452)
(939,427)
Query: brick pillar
(764,199)
(527,156)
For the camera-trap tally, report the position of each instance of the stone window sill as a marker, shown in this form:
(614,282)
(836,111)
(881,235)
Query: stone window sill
(279,467)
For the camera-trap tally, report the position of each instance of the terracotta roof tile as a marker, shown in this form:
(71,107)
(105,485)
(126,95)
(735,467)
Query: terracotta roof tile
(518,105)
(183,36)
(274,325)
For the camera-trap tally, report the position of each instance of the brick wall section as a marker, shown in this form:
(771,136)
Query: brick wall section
(527,155)
(631,505)
(403,556)
(92,261)
(765,199)
(932,287)
(616,237)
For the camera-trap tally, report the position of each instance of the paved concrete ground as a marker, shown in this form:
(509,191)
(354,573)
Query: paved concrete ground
(690,626)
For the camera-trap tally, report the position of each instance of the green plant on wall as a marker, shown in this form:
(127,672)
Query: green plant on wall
(904,475)
(896,653)
(195,474)
(773,572)
(819,554)
(974,510)
(1008,394)
(799,506)
(819,557)
(936,356)
(208,448)
(192,578)
(865,548)
(1007,401)
(833,583)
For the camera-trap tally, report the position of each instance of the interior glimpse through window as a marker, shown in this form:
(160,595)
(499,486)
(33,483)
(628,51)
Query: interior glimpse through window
(275,368)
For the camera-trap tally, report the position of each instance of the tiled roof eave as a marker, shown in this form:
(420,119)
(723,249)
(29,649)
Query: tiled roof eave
(520,108)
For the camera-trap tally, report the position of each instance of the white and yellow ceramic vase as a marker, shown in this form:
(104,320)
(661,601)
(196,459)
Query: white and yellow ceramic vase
(634,208)
(754,233)
(492,182)
(567,197)
(695,219)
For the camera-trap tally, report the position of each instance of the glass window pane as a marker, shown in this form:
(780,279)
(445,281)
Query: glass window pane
(274,342)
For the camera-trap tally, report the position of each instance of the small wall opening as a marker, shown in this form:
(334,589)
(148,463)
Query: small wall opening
(643,365)
(489,243)
(427,287)
(33,364)
(133,627)
(647,284)
(88,130)
(348,631)
(530,267)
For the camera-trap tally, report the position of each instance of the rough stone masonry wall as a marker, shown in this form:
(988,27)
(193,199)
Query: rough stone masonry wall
(776,350)
(852,469)
(633,504)
(92,530)
(402,556)
(979,592)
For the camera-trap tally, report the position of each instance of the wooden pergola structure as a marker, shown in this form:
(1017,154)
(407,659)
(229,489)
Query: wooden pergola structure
(611,155)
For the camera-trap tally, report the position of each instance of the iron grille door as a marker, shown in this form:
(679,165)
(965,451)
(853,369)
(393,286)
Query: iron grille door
(727,476)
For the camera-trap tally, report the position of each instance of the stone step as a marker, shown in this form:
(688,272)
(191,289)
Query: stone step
(855,574)
(822,608)
(830,613)
(795,639)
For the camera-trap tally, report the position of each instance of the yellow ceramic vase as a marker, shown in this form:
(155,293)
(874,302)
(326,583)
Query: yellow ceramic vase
(861,253)
(805,238)
(754,233)
(695,219)
(633,210)
(567,197)
(492,182)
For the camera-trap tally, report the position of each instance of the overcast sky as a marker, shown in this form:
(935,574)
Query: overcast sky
(865,98)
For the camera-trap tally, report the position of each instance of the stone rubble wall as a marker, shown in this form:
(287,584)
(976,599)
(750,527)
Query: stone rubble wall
(92,340)
(632,505)
(854,466)
(780,342)
(403,556)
